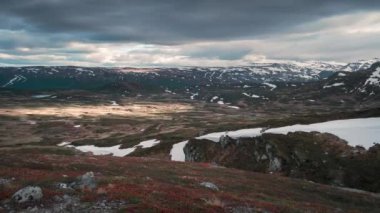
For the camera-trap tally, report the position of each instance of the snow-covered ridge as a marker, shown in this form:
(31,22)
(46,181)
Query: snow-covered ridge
(268,73)
(292,66)
(372,83)
(274,65)
(360,65)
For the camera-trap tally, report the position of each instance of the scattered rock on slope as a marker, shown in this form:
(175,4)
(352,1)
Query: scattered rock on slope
(86,181)
(210,186)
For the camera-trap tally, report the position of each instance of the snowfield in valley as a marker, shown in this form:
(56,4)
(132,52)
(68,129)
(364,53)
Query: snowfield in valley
(177,153)
(113,150)
(359,131)
(243,133)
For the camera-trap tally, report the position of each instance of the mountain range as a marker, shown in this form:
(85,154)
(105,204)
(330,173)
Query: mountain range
(69,77)
(283,82)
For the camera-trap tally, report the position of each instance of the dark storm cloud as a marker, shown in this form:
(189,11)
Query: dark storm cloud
(168,21)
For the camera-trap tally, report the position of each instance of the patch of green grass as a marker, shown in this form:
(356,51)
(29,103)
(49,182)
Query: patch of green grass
(134,200)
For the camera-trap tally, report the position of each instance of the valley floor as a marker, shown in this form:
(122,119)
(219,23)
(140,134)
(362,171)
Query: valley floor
(146,180)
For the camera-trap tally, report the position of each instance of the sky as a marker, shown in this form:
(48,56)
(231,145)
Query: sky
(162,33)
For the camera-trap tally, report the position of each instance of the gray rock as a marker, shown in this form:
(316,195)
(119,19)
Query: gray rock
(62,204)
(193,153)
(86,181)
(257,155)
(29,193)
(246,209)
(108,206)
(274,165)
(209,185)
(62,186)
(4,181)
(264,157)
(33,210)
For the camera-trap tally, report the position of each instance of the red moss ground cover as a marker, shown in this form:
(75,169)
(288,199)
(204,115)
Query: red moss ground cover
(165,186)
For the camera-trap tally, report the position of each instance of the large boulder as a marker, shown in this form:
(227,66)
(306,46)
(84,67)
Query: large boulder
(27,194)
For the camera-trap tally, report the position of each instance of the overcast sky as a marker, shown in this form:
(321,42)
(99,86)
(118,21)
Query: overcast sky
(186,32)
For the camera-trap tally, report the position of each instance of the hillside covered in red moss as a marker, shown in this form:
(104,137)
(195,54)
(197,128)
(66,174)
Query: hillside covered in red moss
(150,185)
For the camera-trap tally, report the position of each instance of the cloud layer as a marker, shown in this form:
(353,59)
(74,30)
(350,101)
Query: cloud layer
(182,32)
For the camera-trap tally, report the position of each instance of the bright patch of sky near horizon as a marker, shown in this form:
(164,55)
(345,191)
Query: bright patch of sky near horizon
(179,33)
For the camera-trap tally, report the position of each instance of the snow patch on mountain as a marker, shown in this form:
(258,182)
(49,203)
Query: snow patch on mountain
(114,103)
(251,96)
(214,99)
(374,79)
(333,85)
(17,78)
(41,96)
(221,102)
(358,131)
(272,86)
(233,107)
(177,153)
(233,134)
(113,150)
(192,97)
(148,143)
(169,91)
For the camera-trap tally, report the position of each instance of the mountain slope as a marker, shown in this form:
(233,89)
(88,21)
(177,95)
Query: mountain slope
(359,65)
(143,184)
(364,83)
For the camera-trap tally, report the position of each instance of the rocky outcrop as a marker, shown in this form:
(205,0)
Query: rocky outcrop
(244,153)
(314,156)
(225,140)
